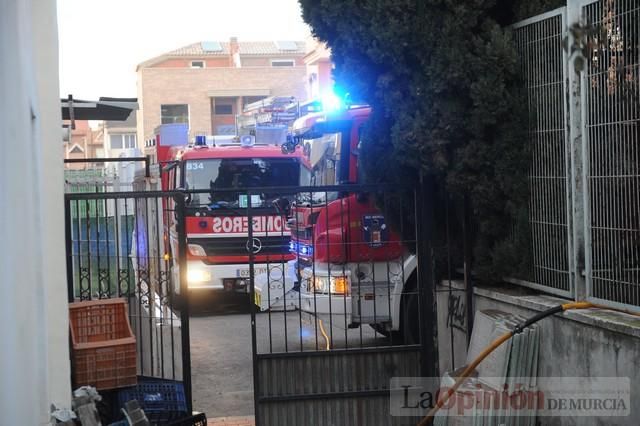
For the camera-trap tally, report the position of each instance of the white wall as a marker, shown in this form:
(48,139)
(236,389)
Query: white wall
(52,186)
(581,343)
(34,359)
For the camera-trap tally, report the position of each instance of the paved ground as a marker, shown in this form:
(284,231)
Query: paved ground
(221,358)
(296,331)
(232,421)
(221,354)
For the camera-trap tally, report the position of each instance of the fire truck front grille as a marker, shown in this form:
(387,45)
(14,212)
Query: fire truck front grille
(236,246)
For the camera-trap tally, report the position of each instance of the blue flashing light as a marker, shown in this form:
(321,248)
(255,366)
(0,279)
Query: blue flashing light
(331,102)
(300,249)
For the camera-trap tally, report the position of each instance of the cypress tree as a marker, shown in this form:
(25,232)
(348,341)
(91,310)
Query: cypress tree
(443,80)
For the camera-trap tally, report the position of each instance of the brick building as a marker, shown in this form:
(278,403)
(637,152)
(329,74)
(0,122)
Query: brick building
(206,84)
(82,142)
(319,68)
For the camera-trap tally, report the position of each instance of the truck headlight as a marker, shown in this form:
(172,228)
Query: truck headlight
(198,276)
(333,285)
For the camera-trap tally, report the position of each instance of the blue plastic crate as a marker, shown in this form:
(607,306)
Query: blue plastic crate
(161,400)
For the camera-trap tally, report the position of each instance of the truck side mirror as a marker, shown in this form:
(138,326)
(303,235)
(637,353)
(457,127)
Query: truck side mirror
(187,195)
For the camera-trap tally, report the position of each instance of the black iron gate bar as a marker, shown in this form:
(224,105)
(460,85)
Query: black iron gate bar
(179,198)
(427,313)
(104,197)
(424,289)
(325,189)
(102,245)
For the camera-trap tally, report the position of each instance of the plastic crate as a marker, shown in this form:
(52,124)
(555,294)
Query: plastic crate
(103,345)
(162,400)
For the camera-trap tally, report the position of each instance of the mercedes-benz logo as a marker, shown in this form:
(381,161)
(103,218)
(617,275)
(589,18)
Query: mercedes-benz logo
(254,245)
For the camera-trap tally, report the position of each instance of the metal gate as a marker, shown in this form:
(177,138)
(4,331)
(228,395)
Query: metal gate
(122,245)
(543,67)
(580,65)
(317,284)
(611,147)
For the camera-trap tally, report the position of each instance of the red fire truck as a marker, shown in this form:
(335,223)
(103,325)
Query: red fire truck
(349,264)
(216,220)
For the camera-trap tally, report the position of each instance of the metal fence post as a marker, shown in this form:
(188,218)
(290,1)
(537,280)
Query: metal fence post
(577,146)
(68,240)
(426,284)
(252,309)
(184,295)
(468,259)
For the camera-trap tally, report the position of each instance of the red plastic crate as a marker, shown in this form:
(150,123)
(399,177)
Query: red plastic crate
(103,345)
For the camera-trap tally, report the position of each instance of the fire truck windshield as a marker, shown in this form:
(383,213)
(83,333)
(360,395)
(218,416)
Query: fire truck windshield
(324,156)
(241,173)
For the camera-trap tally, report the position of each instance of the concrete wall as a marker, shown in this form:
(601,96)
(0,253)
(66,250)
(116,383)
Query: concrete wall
(34,360)
(196,87)
(575,344)
(452,327)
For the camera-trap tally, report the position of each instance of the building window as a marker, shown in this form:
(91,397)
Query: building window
(122,141)
(224,106)
(174,114)
(282,62)
(197,64)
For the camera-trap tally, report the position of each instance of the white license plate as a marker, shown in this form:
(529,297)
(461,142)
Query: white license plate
(244,273)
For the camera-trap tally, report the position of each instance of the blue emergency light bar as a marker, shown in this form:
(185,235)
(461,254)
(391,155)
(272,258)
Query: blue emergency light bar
(301,249)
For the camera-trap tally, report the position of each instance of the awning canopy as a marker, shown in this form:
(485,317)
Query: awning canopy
(116,109)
